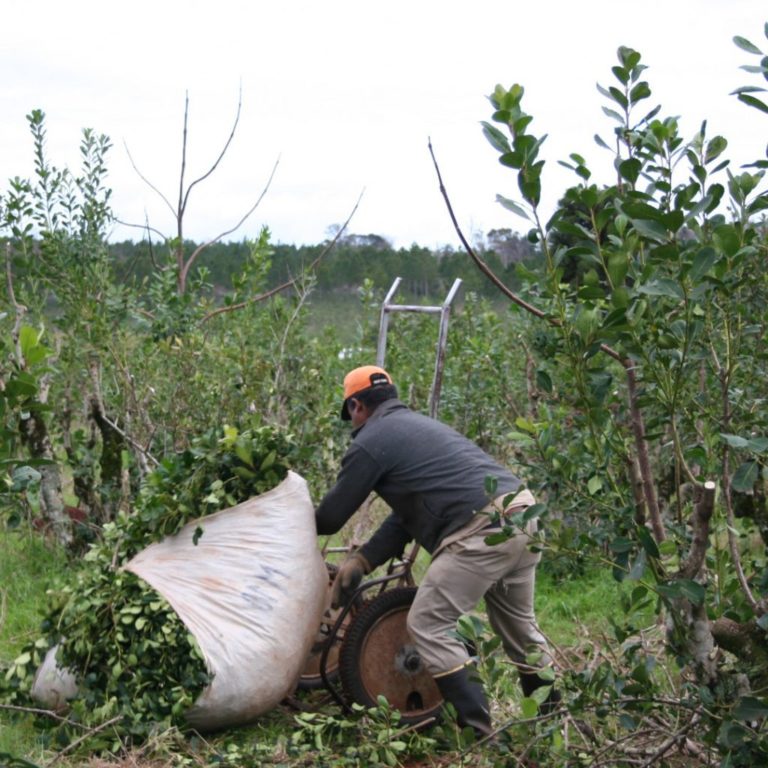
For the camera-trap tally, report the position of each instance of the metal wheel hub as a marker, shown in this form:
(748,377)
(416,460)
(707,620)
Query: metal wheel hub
(391,666)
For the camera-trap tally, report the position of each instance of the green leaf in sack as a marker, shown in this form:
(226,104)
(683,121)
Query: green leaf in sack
(594,484)
(243,452)
(269,460)
(244,473)
(529,708)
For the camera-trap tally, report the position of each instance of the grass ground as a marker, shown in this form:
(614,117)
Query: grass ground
(571,612)
(28,564)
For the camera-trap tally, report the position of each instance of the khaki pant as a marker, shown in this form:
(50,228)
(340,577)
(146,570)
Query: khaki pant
(462,573)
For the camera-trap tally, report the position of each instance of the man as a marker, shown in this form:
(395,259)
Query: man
(435,480)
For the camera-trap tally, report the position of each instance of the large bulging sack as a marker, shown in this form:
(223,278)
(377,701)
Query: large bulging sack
(251,588)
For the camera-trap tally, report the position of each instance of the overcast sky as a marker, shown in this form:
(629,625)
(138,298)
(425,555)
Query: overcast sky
(346,93)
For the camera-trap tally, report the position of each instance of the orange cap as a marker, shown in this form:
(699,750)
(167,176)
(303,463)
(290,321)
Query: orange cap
(360,379)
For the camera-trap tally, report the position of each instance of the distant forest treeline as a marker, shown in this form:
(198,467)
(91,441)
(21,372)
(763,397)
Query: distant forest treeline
(352,260)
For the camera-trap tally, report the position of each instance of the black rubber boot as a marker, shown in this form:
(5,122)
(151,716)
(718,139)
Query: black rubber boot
(530,681)
(467,696)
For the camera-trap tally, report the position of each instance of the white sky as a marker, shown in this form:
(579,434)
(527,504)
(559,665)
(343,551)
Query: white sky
(346,93)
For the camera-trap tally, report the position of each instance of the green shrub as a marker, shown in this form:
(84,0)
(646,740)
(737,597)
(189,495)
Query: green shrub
(132,656)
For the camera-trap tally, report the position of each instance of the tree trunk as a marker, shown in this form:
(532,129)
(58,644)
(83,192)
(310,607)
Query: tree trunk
(688,624)
(112,445)
(746,641)
(38,442)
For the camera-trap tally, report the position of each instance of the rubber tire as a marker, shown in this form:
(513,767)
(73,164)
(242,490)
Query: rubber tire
(378,621)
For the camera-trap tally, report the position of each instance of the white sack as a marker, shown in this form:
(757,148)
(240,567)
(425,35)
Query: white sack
(53,686)
(251,591)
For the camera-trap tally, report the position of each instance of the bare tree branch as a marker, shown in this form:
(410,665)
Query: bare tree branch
(184,265)
(144,226)
(149,184)
(482,266)
(289,283)
(223,152)
(182,197)
(76,743)
(39,711)
(142,450)
(19,309)
(641,444)
(201,248)
(277,387)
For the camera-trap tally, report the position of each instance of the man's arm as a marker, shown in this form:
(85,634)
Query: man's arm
(359,473)
(387,542)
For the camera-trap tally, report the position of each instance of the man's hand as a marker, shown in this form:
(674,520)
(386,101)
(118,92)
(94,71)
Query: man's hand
(348,579)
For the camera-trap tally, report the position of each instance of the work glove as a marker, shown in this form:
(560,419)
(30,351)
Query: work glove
(348,579)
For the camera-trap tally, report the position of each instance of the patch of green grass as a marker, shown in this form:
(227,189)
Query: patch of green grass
(570,611)
(28,567)
(340,312)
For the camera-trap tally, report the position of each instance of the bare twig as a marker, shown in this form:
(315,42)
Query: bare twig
(39,711)
(281,354)
(144,226)
(19,309)
(200,248)
(671,741)
(133,442)
(151,186)
(139,408)
(182,198)
(179,211)
(183,205)
(76,743)
(482,266)
(643,460)
(289,283)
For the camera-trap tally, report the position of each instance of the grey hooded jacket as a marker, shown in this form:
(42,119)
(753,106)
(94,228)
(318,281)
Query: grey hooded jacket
(433,478)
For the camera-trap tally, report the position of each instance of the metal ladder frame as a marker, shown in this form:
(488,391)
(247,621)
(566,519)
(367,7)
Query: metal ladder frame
(444,310)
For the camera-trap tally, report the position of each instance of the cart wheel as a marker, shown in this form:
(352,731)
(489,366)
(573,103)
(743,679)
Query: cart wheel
(378,658)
